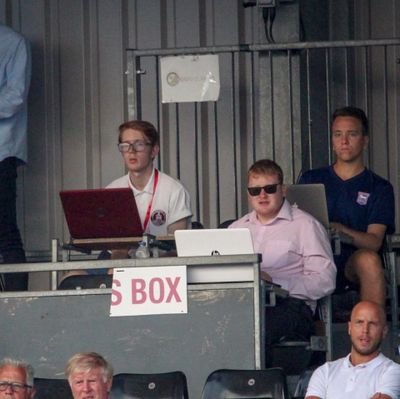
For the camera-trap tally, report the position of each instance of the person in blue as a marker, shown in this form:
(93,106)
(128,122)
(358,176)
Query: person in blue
(360,206)
(15,73)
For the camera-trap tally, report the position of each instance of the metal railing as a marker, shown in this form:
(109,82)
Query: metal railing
(275,101)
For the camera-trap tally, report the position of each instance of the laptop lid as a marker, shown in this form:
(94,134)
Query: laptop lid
(101,213)
(310,198)
(206,242)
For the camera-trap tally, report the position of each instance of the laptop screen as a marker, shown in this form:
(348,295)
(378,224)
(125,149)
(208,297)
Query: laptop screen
(101,213)
(311,199)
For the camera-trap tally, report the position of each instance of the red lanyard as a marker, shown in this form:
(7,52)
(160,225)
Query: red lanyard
(147,218)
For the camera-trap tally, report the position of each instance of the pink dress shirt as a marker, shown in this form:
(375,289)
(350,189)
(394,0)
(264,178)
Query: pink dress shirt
(296,252)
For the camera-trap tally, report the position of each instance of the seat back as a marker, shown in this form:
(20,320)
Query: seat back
(172,385)
(86,281)
(232,384)
(51,388)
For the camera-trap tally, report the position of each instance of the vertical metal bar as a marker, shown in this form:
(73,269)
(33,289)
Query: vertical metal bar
(253,107)
(328,103)
(196,155)
(259,318)
(309,122)
(290,95)
(366,90)
(217,174)
(160,122)
(385,93)
(178,142)
(54,259)
(346,74)
(138,87)
(235,124)
(271,68)
(131,87)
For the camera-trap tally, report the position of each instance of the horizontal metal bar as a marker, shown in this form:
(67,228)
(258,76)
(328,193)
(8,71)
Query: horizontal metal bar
(230,260)
(266,47)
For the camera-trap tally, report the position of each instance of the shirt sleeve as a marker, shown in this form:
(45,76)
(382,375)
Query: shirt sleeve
(389,383)
(318,382)
(319,274)
(382,209)
(179,205)
(14,88)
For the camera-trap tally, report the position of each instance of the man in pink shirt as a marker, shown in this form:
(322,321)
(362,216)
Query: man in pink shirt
(296,254)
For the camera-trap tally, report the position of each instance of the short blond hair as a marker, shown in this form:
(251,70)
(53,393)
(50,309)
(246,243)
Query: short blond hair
(85,361)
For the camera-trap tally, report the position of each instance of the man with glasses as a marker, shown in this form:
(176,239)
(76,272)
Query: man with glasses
(296,254)
(16,379)
(163,202)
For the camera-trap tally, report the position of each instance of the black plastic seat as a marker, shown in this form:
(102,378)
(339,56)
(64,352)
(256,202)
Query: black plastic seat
(235,384)
(171,385)
(86,281)
(51,388)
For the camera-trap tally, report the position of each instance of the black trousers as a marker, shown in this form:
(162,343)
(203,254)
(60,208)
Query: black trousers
(11,247)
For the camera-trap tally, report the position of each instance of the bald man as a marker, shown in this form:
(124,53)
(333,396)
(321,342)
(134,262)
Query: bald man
(365,373)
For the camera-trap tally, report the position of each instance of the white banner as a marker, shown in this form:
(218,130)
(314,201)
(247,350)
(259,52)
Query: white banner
(149,291)
(190,78)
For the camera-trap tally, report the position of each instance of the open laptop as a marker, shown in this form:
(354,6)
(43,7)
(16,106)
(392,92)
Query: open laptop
(215,242)
(101,213)
(310,198)
(209,242)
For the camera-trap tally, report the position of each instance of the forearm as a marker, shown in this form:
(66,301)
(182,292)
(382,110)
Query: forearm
(367,240)
(181,224)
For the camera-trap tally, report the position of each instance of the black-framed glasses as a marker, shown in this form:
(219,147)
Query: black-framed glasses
(15,386)
(137,146)
(268,189)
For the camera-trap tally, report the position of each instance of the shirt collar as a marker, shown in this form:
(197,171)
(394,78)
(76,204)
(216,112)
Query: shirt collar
(148,189)
(284,213)
(373,363)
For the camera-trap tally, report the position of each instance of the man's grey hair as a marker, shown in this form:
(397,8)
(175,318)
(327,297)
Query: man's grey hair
(20,364)
(85,361)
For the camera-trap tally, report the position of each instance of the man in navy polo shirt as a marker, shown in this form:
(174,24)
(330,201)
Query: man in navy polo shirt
(360,206)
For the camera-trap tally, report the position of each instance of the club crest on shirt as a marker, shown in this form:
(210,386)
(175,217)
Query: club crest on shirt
(362,198)
(158,217)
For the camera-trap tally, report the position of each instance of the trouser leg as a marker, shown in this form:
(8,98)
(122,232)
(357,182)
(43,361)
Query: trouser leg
(11,247)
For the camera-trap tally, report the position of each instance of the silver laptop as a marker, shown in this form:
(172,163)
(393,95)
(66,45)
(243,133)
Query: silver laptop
(214,242)
(310,198)
(209,242)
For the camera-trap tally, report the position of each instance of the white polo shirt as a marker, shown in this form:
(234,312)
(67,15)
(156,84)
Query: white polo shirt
(340,379)
(170,203)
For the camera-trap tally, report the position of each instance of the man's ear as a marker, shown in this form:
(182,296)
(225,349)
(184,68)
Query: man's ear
(366,141)
(33,393)
(155,150)
(109,384)
(284,189)
(385,331)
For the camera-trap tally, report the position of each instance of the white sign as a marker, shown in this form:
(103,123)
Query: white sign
(148,291)
(190,78)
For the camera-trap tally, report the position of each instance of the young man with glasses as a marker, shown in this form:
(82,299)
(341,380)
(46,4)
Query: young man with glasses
(296,254)
(16,379)
(360,206)
(163,202)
